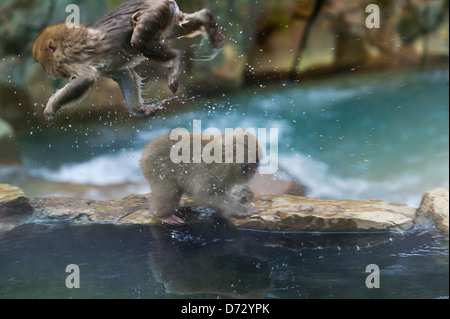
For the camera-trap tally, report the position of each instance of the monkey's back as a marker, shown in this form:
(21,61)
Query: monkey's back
(117,27)
(158,167)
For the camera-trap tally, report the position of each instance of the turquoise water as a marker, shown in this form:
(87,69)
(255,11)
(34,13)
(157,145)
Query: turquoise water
(381,135)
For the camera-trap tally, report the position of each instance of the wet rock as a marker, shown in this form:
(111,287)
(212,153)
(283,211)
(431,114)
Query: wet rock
(293,213)
(130,210)
(435,207)
(13,201)
(279,213)
(14,206)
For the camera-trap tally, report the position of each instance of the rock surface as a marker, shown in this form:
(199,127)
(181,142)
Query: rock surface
(293,213)
(435,207)
(14,206)
(130,210)
(278,212)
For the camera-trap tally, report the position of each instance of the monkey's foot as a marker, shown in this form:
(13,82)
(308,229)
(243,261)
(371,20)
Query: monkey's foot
(147,111)
(173,85)
(215,36)
(173,220)
(217,39)
(50,118)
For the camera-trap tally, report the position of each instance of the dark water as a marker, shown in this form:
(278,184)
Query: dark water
(213,261)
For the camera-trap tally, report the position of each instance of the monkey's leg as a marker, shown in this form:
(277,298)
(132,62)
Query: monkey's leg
(163,55)
(198,23)
(165,202)
(71,93)
(130,84)
(146,41)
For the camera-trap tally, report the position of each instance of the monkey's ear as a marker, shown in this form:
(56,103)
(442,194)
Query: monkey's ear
(51,46)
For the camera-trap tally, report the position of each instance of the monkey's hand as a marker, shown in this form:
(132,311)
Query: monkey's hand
(215,36)
(146,111)
(242,193)
(49,113)
(172,220)
(73,92)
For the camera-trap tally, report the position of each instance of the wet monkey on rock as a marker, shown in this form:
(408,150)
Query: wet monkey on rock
(116,44)
(208,182)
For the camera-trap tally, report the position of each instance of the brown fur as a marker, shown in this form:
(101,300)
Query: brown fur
(114,45)
(73,46)
(207,184)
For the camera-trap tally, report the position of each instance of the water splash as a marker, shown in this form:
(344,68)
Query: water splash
(214,54)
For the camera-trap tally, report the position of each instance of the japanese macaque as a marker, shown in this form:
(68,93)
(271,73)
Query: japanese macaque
(207,181)
(116,44)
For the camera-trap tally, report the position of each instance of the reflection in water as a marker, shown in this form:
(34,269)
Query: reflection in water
(188,263)
(211,260)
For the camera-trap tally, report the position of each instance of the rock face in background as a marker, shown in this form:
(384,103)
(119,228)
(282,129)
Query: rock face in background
(278,212)
(9,148)
(435,207)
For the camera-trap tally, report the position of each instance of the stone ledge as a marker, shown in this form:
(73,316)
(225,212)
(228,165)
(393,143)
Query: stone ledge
(292,213)
(278,213)
(435,207)
(14,206)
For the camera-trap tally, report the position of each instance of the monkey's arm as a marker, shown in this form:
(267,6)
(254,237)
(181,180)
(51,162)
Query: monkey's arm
(130,85)
(71,93)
